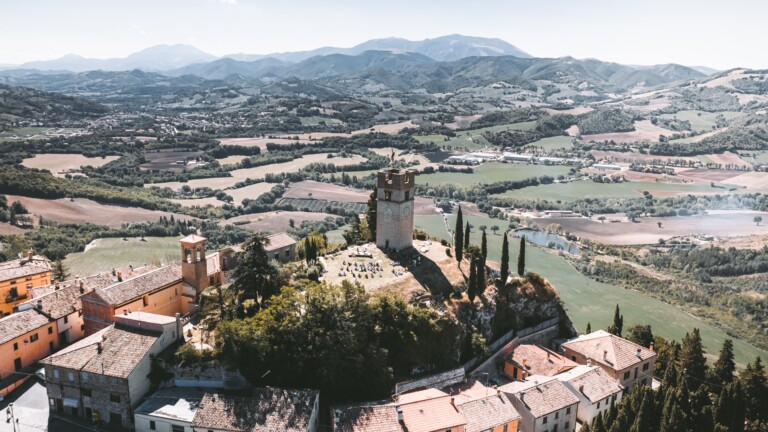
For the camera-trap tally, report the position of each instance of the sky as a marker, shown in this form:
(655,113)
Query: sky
(719,34)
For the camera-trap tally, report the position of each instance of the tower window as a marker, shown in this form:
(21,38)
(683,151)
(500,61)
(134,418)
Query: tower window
(388,195)
(407,195)
(407,178)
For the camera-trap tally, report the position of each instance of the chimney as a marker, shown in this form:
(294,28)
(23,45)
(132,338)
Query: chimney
(119,276)
(453,402)
(113,272)
(522,397)
(581,388)
(589,361)
(651,347)
(56,286)
(605,355)
(98,347)
(30,254)
(548,357)
(82,288)
(638,354)
(400,412)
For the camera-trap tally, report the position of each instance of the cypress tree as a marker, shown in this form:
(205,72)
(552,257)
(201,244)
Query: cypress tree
(692,360)
(618,323)
(724,367)
(472,289)
(466,235)
(370,215)
(458,239)
(589,328)
(730,411)
(504,260)
(484,246)
(521,258)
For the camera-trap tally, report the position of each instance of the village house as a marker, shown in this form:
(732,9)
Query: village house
(17,277)
(493,412)
(167,290)
(266,410)
(429,410)
(169,409)
(281,247)
(625,361)
(25,338)
(596,390)
(103,377)
(526,360)
(544,406)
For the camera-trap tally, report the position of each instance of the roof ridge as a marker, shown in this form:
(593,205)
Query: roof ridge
(136,277)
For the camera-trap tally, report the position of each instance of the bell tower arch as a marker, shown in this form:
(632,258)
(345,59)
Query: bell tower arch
(194,266)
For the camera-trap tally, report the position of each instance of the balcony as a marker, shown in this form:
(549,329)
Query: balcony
(10,299)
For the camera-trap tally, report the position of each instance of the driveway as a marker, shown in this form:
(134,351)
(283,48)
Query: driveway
(30,408)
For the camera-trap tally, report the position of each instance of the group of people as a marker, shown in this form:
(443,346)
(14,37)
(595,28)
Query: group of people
(362,270)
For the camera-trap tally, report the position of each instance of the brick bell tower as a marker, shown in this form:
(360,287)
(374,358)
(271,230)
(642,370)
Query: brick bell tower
(194,266)
(394,207)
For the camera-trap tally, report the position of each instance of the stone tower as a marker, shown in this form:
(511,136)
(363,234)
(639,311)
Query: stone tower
(194,266)
(394,208)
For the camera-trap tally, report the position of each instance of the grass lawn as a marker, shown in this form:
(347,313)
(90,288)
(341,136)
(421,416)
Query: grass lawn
(492,172)
(589,301)
(335,236)
(589,189)
(472,139)
(109,253)
(553,143)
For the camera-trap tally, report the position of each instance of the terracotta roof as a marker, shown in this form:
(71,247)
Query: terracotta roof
(24,267)
(542,399)
(486,413)
(431,414)
(193,238)
(610,350)
(98,280)
(58,303)
(368,418)
(20,323)
(131,289)
(267,410)
(278,241)
(121,352)
(536,360)
(591,381)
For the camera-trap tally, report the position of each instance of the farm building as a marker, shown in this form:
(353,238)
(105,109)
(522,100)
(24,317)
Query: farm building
(604,167)
(516,157)
(281,247)
(463,160)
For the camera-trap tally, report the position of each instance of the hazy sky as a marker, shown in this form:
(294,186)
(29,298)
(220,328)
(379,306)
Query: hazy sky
(719,34)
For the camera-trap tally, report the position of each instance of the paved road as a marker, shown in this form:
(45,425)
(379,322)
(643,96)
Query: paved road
(30,407)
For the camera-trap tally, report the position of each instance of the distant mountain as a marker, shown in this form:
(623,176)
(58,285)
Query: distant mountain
(156,58)
(21,103)
(706,70)
(222,68)
(342,64)
(444,48)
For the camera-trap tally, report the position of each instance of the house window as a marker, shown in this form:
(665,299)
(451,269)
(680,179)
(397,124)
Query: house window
(115,419)
(152,425)
(146,300)
(506,428)
(544,420)
(177,428)
(56,373)
(85,376)
(287,253)
(50,330)
(557,415)
(567,410)
(636,373)
(86,392)
(567,425)
(15,346)
(33,338)
(598,404)
(66,319)
(626,375)
(573,358)
(29,286)
(645,367)
(70,376)
(114,398)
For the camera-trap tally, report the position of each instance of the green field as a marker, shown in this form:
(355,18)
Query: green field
(589,189)
(473,139)
(115,253)
(553,143)
(703,121)
(335,236)
(315,120)
(589,301)
(492,172)
(437,139)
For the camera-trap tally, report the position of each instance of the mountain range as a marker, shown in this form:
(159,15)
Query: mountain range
(168,57)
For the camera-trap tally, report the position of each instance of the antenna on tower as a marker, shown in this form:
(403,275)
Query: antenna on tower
(392,158)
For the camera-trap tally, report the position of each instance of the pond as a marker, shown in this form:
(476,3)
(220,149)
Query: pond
(549,240)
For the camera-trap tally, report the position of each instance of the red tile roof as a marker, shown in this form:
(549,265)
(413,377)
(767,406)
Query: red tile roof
(267,410)
(368,418)
(610,350)
(536,360)
(21,323)
(433,414)
(24,267)
(279,241)
(488,412)
(545,398)
(591,381)
(131,289)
